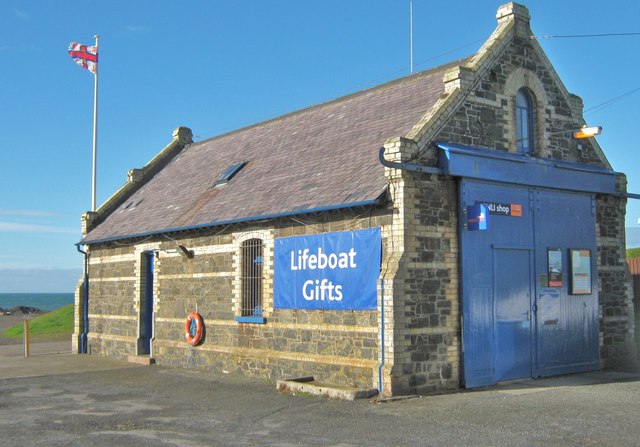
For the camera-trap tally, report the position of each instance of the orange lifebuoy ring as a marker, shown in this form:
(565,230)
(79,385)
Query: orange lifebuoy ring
(194,328)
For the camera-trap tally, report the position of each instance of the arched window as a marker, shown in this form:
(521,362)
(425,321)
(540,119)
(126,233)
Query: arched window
(251,279)
(524,121)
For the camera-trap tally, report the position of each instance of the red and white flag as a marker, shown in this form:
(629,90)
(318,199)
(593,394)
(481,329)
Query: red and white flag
(85,56)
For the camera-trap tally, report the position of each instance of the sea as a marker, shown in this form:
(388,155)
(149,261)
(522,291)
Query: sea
(46,302)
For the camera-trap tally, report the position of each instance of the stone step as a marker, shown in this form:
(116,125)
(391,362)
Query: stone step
(310,386)
(141,359)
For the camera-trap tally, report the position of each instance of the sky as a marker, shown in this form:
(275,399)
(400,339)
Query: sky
(215,66)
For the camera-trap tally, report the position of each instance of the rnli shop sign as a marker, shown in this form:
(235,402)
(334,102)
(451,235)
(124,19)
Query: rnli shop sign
(332,271)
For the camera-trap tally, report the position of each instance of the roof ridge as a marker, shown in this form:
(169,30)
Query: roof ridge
(378,87)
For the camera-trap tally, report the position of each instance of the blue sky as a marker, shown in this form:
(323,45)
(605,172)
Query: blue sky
(215,66)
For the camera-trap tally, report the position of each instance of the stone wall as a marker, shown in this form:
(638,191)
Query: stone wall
(425,356)
(486,116)
(112,329)
(617,321)
(340,347)
(427,341)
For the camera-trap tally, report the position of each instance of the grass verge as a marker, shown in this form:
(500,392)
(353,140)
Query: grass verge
(57,322)
(633,253)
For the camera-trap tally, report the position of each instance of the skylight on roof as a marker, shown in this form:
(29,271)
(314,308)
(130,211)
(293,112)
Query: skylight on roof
(229,173)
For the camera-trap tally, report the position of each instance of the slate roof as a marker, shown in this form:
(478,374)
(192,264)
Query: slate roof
(322,157)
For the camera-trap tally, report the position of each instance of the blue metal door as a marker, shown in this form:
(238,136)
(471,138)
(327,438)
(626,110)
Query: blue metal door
(146,307)
(496,265)
(567,331)
(520,318)
(512,306)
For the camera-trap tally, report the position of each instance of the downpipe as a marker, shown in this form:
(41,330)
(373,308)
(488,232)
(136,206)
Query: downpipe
(381,337)
(85,302)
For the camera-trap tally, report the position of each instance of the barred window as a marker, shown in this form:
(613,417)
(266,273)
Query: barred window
(251,253)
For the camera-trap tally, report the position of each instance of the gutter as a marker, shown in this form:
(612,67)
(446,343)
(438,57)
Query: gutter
(375,202)
(85,302)
(432,170)
(407,166)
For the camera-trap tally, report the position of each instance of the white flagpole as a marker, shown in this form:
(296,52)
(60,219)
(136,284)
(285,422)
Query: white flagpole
(95,130)
(411,35)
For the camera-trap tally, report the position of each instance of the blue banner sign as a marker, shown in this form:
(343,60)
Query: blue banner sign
(331,271)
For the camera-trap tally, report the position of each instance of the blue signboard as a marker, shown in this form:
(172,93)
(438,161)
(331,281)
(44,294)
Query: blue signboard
(331,271)
(477,217)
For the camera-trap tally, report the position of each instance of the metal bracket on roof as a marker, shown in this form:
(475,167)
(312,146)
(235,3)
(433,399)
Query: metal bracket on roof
(407,166)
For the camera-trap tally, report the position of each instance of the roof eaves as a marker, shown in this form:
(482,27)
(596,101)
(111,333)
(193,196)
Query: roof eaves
(366,203)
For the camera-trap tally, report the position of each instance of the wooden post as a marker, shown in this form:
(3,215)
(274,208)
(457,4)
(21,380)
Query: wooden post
(26,338)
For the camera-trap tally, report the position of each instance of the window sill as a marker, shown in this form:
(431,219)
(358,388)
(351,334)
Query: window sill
(251,319)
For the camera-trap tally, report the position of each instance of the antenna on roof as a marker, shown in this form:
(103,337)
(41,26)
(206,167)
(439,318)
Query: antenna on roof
(411,36)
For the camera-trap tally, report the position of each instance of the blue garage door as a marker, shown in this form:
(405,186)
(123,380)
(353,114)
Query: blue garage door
(517,322)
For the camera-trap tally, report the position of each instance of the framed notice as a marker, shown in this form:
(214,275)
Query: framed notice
(580,272)
(554,258)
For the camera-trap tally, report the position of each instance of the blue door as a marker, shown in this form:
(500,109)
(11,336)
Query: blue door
(146,306)
(567,331)
(517,322)
(496,284)
(512,307)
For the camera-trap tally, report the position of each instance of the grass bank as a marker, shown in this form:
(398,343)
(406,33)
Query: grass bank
(57,322)
(633,253)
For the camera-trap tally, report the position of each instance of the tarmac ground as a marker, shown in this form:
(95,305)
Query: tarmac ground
(55,398)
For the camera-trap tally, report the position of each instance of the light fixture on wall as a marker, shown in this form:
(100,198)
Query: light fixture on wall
(579,134)
(184,251)
(587,132)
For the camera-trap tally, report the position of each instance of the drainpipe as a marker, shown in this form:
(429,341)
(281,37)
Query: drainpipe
(381,336)
(85,302)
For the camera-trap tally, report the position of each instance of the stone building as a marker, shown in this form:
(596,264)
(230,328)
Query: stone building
(439,231)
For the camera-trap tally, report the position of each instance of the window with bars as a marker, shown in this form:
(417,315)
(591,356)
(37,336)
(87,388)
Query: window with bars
(251,258)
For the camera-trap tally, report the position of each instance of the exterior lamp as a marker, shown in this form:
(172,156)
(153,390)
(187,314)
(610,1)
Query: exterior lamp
(583,132)
(184,252)
(587,132)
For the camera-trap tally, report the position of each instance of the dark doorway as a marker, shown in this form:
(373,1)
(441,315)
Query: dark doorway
(146,305)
